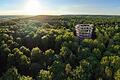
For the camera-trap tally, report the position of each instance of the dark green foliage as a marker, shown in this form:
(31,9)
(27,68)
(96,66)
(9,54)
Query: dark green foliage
(12,74)
(57,69)
(44,75)
(47,48)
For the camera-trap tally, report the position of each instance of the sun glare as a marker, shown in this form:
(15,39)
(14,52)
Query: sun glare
(32,7)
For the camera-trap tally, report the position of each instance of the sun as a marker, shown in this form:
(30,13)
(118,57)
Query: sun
(32,7)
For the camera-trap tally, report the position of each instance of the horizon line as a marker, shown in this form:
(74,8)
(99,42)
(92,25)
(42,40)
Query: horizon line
(61,15)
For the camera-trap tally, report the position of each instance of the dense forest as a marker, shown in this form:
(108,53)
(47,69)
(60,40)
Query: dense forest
(47,48)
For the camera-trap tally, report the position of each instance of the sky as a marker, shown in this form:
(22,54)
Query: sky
(59,7)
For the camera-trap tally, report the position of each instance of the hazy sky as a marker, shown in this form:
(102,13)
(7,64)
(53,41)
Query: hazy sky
(103,7)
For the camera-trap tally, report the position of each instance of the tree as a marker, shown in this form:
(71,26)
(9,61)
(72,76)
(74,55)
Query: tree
(101,47)
(11,74)
(68,69)
(25,51)
(6,37)
(84,53)
(57,69)
(111,61)
(14,45)
(72,45)
(65,53)
(117,75)
(116,38)
(44,75)
(37,56)
(97,53)
(49,53)
(19,60)
(108,73)
(68,36)
(83,71)
(6,51)
(3,46)
(116,48)
(110,64)
(87,43)
(46,25)
(49,56)
(3,58)
(34,69)
(95,43)
(45,42)
(18,40)
(58,42)
(9,42)
(25,78)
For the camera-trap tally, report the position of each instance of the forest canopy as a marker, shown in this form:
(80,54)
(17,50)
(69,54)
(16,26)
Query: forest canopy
(47,48)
